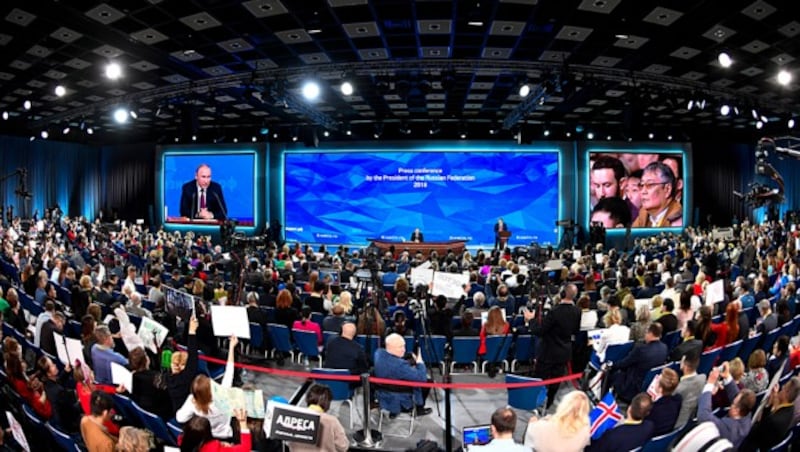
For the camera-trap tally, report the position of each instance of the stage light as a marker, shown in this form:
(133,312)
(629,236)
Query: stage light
(253,139)
(702,104)
(121,115)
(608,137)
(177,139)
(264,130)
(524,90)
(754,113)
(546,132)
(568,134)
(790,123)
(26,105)
(347,88)
(5,116)
(66,130)
(784,77)
(764,119)
(578,128)
(348,132)
(32,137)
(235,140)
(690,104)
(311,90)
(724,60)
(44,134)
(60,91)
(590,136)
(194,137)
(90,131)
(113,71)
(669,137)
(326,134)
(736,110)
(651,135)
(759,125)
(134,115)
(724,110)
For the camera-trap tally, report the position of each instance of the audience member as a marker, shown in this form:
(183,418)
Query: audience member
(689,388)
(666,404)
(94,433)
(736,424)
(566,430)
(331,436)
(504,421)
(632,433)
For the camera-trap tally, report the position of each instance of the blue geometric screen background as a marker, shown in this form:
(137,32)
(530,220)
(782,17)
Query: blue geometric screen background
(348,198)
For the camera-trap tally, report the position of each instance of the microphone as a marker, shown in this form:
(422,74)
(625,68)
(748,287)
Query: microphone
(221,205)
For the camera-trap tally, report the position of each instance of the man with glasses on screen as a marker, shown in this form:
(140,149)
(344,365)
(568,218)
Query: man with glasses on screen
(659,207)
(201,198)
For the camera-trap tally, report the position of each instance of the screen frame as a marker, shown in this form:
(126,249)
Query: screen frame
(673,149)
(254,149)
(556,148)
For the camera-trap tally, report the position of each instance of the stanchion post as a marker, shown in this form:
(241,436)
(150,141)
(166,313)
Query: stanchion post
(367,437)
(448,415)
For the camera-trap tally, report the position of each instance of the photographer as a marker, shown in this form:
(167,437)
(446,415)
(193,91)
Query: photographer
(557,329)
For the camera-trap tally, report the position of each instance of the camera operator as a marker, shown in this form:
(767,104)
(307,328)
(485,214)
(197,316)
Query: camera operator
(557,330)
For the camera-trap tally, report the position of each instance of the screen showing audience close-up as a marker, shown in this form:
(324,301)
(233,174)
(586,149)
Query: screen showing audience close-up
(640,189)
(351,197)
(207,188)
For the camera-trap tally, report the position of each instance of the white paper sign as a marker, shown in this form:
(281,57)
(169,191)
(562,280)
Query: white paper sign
(598,258)
(715,292)
(639,302)
(451,285)
(230,320)
(17,432)
(153,333)
(122,376)
(421,276)
(576,255)
(75,353)
(61,349)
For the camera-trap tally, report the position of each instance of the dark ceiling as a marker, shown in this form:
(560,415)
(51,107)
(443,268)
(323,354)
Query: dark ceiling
(221,70)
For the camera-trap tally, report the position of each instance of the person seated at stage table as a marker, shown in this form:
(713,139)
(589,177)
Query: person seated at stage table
(416,236)
(393,363)
(659,207)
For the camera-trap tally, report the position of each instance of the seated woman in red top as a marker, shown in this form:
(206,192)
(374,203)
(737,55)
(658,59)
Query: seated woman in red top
(32,391)
(197,436)
(728,330)
(495,324)
(305,324)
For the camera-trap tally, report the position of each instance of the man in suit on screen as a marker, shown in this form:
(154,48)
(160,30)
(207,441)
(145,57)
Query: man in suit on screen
(201,198)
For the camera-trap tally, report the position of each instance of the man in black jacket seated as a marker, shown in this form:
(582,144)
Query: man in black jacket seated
(690,343)
(627,375)
(342,352)
(557,330)
(776,419)
(632,433)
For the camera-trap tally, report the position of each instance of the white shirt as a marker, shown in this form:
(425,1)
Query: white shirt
(615,334)
(500,445)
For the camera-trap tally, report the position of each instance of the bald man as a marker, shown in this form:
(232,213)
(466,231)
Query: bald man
(391,362)
(342,352)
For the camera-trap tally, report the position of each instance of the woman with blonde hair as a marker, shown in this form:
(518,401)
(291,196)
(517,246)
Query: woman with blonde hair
(346,302)
(565,431)
(133,439)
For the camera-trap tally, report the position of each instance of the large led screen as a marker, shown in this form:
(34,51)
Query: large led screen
(643,189)
(351,197)
(206,188)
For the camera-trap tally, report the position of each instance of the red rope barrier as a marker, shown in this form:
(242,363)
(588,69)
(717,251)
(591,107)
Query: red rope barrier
(387,381)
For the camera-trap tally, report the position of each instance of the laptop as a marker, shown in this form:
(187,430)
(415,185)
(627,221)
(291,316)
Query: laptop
(476,435)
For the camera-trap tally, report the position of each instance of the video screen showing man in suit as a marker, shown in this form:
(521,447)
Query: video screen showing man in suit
(202,198)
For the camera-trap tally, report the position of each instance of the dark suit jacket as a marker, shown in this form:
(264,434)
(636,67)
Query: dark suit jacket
(770,430)
(557,330)
(623,437)
(215,201)
(669,322)
(684,347)
(417,237)
(498,227)
(630,371)
(665,411)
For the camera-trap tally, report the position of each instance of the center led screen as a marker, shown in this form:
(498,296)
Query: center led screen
(352,196)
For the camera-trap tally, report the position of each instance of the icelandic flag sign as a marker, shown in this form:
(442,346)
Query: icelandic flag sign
(604,416)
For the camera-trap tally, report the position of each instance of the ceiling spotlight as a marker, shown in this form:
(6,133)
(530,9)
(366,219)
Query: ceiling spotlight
(253,139)
(235,139)
(133,114)
(113,71)
(5,116)
(608,137)
(690,104)
(754,113)
(736,110)
(60,91)
(90,131)
(759,124)
(763,119)
(311,90)
(294,136)
(121,115)
(724,59)
(669,137)
(44,134)
(66,130)
(326,134)
(724,110)
(264,130)
(26,105)
(702,104)
(177,139)
(524,90)
(194,137)
(347,88)
(546,132)
(650,135)
(406,130)
(378,130)
(275,135)
(568,134)
(590,135)
(33,137)
(784,77)
(348,132)
(790,123)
